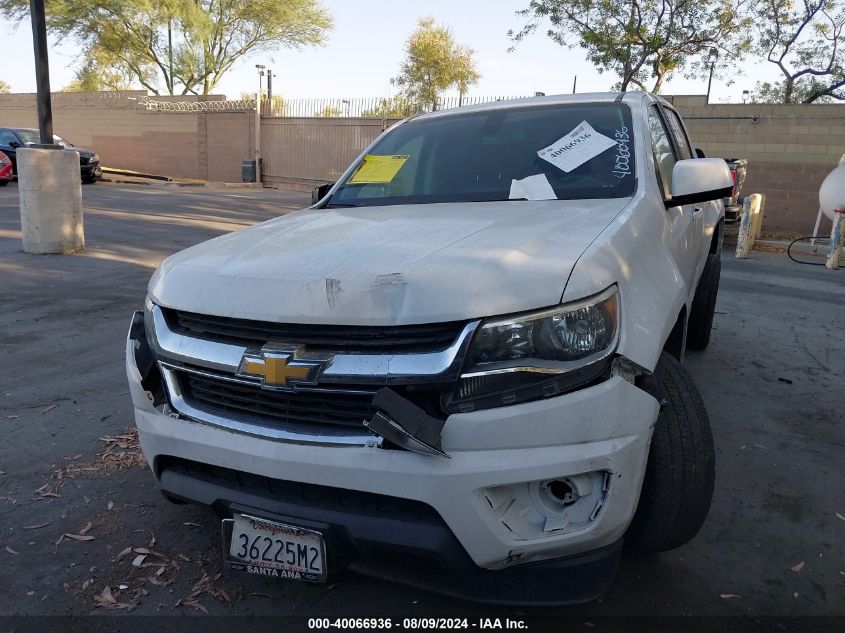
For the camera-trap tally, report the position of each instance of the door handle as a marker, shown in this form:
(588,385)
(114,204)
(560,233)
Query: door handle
(697,211)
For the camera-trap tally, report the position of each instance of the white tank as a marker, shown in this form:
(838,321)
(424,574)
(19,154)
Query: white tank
(832,192)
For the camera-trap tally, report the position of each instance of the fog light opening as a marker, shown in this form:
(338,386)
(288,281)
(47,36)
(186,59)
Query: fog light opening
(561,492)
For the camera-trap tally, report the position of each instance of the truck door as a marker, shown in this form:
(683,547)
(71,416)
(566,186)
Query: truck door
(706,214)
(683,224)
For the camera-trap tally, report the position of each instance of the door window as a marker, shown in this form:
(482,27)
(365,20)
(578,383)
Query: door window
(664,153)
(681,140)
(6,137)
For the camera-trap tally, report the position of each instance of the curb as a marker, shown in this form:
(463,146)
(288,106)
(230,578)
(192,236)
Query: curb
(196,185)
(803,248)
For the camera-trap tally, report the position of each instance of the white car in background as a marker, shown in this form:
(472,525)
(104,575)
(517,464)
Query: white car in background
(461,368)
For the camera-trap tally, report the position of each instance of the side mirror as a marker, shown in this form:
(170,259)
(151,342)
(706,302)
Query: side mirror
(14,144)
(699,180)
(699,153)
(319,192)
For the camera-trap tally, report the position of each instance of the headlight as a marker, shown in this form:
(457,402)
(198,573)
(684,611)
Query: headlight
(94,159)
(539,354)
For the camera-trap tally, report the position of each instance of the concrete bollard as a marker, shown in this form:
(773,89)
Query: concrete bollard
(50,189)
(835,251)
(750,225)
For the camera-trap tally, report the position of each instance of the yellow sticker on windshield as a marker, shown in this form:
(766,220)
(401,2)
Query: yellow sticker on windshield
(378,169)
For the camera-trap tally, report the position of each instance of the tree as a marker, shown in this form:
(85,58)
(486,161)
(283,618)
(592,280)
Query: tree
(328,111)
(641,40)
(805,41)
(5,88)
(100,73)
(180,46)
(434,62)
(397,107)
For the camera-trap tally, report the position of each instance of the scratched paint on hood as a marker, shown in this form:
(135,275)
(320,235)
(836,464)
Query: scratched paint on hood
(388,265)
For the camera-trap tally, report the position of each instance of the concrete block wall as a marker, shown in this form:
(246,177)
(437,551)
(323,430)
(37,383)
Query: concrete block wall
(128,135)
(790,150)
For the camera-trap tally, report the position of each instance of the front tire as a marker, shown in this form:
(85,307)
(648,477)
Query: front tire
(700,323)
(680,474)
(3,183)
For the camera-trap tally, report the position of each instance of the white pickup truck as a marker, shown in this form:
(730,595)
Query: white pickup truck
(461,368)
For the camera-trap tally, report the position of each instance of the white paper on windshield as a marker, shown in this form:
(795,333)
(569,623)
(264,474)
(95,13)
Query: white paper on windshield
(532,188)
(576,148)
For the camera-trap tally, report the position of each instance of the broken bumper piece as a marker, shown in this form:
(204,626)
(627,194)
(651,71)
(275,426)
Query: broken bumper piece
(405,424)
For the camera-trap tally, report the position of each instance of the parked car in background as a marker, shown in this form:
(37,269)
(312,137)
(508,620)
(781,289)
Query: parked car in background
(13,138)
(733,203)
(6,172)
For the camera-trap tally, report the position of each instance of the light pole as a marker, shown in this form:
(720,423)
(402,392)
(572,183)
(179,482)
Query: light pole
(260,68)
(712,55)
(269,92)
(745,95)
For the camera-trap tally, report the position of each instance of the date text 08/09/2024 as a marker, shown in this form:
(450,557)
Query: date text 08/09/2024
(417,623)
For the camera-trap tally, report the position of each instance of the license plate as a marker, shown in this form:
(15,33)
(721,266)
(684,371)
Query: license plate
(269,548)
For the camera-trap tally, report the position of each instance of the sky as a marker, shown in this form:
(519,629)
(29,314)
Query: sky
(365,49)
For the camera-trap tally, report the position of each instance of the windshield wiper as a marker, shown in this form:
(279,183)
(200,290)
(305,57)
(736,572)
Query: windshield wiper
(331,205)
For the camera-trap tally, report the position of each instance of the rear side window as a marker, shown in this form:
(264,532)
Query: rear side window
(664,153)
(6,137)
(681,140)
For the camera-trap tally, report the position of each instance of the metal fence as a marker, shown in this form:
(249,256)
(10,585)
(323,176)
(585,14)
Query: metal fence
(305,149)
(368,107)
(314,140)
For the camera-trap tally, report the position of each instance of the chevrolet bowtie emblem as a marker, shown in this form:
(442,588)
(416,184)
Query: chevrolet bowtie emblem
(283,369)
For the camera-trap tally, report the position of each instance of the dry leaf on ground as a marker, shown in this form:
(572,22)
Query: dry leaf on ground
(191,602)
(80,537)
(120,451)
(106,600)
(798,567)
(123,553)
(728,596)
(11,551)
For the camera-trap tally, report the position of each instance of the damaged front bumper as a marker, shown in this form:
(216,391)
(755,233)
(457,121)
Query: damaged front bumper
(541,491)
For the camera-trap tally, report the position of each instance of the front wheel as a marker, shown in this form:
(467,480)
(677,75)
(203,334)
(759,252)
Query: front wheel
(680,474)
(3,183)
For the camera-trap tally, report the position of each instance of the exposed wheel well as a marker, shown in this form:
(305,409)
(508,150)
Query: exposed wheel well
(676,342)
(718,238)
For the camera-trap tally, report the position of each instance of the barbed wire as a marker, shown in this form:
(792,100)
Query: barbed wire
(221,105)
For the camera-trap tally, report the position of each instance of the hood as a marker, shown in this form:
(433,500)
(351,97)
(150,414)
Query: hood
(388,265)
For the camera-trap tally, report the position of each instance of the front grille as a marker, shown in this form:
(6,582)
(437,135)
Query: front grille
(277,408)
(337,338)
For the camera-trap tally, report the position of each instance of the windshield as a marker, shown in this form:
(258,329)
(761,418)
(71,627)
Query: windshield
(34,137)
(569,151)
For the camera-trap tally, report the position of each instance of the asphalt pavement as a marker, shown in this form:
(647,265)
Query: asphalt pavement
(74,495)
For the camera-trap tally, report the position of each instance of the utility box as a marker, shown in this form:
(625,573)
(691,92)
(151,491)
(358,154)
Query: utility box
(248,171)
